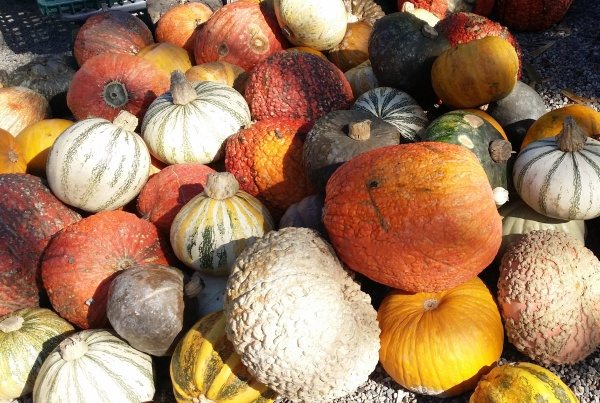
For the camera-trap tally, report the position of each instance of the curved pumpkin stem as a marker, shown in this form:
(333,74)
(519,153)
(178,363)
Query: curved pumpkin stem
(221,185)
(572,138)
(500,150)
(72,348)
(181,90)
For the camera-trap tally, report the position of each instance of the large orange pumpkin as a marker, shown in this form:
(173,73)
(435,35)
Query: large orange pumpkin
(35,141)
(440,343)
(419,217)
(179,25)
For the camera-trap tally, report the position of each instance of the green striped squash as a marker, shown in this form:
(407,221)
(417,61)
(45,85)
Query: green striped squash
(522,382)
(206,368)
(560,176)
(213,228)
(27,336)
(191,122)
(95,366)
(98,165)
(395,107)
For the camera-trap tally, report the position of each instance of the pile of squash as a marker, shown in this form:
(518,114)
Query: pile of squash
(273,197)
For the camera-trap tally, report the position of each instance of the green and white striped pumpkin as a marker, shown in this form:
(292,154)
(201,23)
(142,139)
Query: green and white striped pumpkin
(98,165)
(213,228)
(27,336)
(191,122)
(395,107)
(560,176)
(95,366)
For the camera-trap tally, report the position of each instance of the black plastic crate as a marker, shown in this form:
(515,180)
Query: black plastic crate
(81,9)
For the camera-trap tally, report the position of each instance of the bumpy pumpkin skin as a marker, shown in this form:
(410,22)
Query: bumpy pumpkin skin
(112,31)
(388,198)
(534,15)
(549,297)
(266,159)
(296,85)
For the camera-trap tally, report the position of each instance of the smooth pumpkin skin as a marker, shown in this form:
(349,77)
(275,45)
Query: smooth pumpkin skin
(551,123)
(361,78)
(21,107)
(475,73)
(167,57)
(354,48)
(425,334)
(179,25)
(388,198)
(219,72)
(522,382)
(12,157)
(36,140)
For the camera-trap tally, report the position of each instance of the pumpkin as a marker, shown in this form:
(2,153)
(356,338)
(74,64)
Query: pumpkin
(517,111)
(30,215)
(109,83)
(276,321)
(339,137)
(296,85)
(534,15)
(387,198)
(95,365)
(445,8)
(466,129)
(27,336)
(550,123)
(307,50)
(191,122)
(266,160)
(548,281)
(402,49)
(205,366)
(179,25)
(167,57)
(361,78)
(145,307)
(306,213)
(242,33)
(80,263)
(367,11)
(35,141)
(354,47)
(395,107)
(168,191)
(313,23)
(219,72)
(98,165)
(208,292)
(213,228)
(490,62)
(519,219)
(558,176)
(488,118)
(21,107)
(423,334)
(12,157)
(48,75)
(113,31)
(524,382)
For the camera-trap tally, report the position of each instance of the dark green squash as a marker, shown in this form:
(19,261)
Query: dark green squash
(476,134)
(341,135)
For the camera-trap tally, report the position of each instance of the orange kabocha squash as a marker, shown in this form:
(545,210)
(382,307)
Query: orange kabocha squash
(179,25)
(35,141)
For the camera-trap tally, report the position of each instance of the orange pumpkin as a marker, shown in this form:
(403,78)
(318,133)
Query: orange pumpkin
(167,57)
(21,107)
(178,26)
(440,343)
(219,72)
(354,48)
(11,155)
(551,123)
(36,140)
(266,159)
(419,217)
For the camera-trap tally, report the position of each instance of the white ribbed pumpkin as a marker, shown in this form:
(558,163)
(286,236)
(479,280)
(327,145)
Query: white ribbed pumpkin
(27,336)
(95,366)
(98,165)
(317,24)
(395,107)
(191,122)
(559,176)
(213,228)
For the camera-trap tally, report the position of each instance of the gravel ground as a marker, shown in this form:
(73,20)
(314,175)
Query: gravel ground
(563,65)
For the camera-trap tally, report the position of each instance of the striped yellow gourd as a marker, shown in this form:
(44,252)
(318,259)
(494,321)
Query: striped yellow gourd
(95,366)
(27,336)
(213,228)
(205,366)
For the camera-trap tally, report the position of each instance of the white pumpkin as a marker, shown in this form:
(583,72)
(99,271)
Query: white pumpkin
(98,165)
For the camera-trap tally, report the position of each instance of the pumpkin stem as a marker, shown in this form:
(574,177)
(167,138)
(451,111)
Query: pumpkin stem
(572,137)
(500,196)
(72,348)
(181,90)
(11,324)
(500,150)
(115,94)
(430,304)
(428,31)
(221,185)
(360,130)
(126,121)
(194,286)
